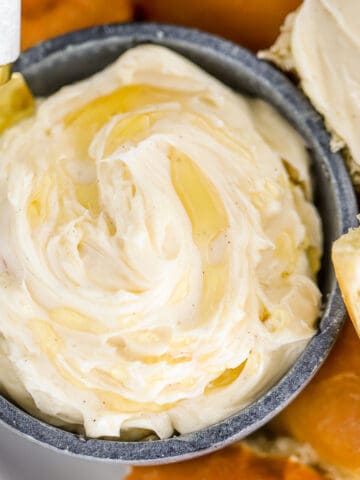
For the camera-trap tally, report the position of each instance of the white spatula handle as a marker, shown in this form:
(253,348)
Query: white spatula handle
(9,31)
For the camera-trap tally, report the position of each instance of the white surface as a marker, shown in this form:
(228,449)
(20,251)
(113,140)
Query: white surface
(9,31)
(21,459)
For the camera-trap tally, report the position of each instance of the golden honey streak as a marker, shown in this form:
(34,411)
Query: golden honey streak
(86,121)
(163,246)
(209,221)
(53,346)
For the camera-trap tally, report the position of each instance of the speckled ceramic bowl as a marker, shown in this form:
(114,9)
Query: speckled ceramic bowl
(72,57)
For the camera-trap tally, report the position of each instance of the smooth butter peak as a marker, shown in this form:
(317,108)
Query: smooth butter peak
(159,253)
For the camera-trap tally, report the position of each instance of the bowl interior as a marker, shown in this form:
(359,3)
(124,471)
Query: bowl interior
(75,56)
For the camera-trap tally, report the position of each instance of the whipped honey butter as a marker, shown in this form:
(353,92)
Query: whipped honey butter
(158,250)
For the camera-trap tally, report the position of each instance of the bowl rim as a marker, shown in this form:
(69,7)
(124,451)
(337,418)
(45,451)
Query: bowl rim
(276,398)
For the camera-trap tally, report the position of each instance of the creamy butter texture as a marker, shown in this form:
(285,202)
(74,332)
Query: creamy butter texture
(321,42)
(158,250)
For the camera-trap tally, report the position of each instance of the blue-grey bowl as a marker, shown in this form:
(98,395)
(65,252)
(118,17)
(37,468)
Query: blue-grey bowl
(72,57)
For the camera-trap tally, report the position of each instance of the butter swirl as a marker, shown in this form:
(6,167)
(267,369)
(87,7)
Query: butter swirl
(158,250)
